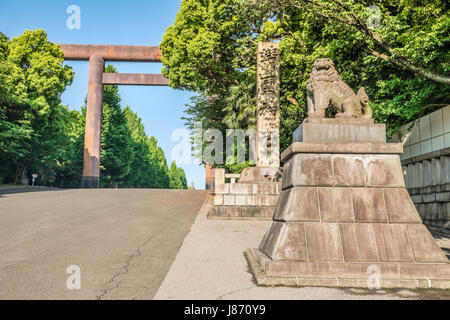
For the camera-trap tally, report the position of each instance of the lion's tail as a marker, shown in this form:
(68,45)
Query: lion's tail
(364,99)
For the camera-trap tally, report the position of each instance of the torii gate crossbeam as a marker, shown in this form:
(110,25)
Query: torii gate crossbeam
(97,55)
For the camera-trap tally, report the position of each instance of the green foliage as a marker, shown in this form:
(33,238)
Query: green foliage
(39,135)
(32,121)
(403,64)
(116,153)
(177,177)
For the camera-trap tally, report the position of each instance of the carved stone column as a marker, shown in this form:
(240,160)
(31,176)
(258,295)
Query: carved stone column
(268,105)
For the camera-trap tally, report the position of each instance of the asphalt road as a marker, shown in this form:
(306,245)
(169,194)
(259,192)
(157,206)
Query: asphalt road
(123,241)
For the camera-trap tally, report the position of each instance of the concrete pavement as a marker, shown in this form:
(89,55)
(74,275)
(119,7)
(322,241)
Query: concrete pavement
(124,241)
(211,265)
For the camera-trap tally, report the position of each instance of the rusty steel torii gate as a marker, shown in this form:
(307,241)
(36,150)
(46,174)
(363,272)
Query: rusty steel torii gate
(97,55)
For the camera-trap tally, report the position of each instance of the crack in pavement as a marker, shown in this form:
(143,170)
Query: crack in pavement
(109,285)
(231,292)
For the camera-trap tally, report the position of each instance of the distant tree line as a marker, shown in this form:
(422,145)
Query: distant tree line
(40,136)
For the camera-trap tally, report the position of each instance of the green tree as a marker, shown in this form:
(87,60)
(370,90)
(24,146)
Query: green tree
(160,171)
(32,78)
(117,152)
(177,177)
(403,64)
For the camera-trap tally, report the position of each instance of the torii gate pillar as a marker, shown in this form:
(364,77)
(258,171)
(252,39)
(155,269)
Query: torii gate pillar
(93,130)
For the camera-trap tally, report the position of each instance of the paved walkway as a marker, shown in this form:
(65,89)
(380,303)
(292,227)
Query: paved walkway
(124,241)
(211,265)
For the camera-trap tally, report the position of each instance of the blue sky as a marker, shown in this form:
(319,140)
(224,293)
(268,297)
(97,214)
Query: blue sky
(134,22)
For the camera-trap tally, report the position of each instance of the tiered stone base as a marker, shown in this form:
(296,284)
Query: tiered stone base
(345,218)
(348,275)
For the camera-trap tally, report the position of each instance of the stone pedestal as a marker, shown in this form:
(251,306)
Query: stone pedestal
(261,175)
(340,130)
(345,219)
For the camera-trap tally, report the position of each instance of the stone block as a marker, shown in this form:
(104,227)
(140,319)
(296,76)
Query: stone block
(266,188)
(406,153)
(222,188)
(368,205)
(424,127)
(271,200)
(443,196)
(219,176)
(436,171)
(323,241)
(446,118)
(292,245)
(229,200)
(308,170)
(261,174)
(241,213)
(419,174)
(399,206)
(335,205)
(427,171)
(358,243)
(440,284)
(241,200)
(298,204)
(262,200)
(438,143)
(406,176)
(362,270)
(445,161)
(425,146)
(317,282)
(218,199)
(437,123)
(424,247)
(415,134)
(431,197)
(340,132)
(348,170)
(297,268)
(415,150)
(411,176)
(271,239)
(424,270)
(392,243)
(342,148)
(417,198)
(384,171)
(241,188)
(446,140)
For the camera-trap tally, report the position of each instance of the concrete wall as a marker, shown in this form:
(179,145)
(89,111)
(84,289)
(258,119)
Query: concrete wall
(430,133)
(426,167)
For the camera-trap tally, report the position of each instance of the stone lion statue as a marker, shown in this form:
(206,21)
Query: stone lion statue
(325,88)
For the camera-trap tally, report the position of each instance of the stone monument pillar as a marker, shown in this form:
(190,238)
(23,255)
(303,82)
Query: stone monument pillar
(344,217)
(268,105)
(256,193)
(268,116)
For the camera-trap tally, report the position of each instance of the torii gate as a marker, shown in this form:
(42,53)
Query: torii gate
(97,55)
